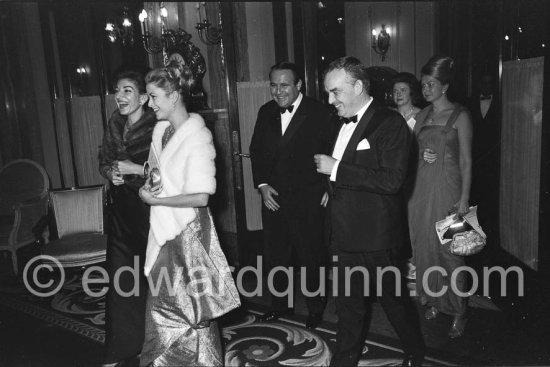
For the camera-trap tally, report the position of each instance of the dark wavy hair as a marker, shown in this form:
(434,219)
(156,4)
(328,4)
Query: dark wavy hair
(412,82)
(173,77)
(286,65)
(352,66)
(133,73)
(440,67)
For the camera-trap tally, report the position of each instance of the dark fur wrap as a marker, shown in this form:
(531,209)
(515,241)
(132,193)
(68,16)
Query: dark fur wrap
(135,148)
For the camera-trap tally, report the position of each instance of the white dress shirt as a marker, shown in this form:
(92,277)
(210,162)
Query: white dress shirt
(343,139)
(287,116)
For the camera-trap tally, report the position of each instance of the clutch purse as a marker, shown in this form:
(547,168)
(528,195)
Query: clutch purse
(467,243)
(459,226)
(462,236)
(152,170)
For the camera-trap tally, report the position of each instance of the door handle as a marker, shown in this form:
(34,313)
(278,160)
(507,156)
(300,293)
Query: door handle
(237,161)
(242,155)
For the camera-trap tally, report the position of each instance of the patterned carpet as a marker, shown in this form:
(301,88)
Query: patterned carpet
(247,342)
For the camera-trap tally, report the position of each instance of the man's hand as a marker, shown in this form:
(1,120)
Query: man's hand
(324,163)
(267,196)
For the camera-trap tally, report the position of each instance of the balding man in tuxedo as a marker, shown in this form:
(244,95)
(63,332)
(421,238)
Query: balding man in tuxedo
(366,170)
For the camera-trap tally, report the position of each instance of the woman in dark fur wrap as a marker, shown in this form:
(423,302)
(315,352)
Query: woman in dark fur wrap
(125,149)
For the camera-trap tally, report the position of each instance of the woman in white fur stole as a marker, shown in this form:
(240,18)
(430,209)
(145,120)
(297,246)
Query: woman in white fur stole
(190,281)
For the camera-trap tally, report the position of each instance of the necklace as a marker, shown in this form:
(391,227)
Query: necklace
(167,135)
(433,115)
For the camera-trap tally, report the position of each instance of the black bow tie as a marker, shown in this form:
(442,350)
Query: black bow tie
(483,98)
(284,109)
(347,120)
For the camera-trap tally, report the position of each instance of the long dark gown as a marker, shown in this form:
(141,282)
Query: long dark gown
(437,188)
(128,229)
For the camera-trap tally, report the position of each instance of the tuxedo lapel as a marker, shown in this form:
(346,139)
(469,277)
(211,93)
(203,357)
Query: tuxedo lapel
(490,111)
(359,130)
(274,126)
(294,125)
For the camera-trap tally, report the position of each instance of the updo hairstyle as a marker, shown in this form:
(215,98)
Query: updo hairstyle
(174,76)
(412,82)
(441,68)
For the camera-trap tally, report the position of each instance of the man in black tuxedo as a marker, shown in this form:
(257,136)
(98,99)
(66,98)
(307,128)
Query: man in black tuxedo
(289,130)
(366,170)
(486,155)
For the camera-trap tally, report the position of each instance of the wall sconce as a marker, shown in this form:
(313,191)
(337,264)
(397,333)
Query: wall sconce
(209,35)
(381,41)
(123,32)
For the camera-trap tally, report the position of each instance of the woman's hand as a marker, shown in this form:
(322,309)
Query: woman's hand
(148,195)
(461,208)
(127,167)
(429,155)
(115,177)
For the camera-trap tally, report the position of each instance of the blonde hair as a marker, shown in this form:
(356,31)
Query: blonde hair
(175,76)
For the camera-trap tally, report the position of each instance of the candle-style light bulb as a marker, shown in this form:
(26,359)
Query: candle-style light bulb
(142,17)
(374,32)
(388,30)
(163,12)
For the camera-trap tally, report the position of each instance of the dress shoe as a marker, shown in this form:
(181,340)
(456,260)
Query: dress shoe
(458,326)
(431,313)
(313,320)
(412,360)
(274,315)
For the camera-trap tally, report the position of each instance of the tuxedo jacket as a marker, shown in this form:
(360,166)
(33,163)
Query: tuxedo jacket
(285,162)
(366,205)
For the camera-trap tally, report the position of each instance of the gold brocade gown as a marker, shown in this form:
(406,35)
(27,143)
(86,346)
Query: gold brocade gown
(179,326)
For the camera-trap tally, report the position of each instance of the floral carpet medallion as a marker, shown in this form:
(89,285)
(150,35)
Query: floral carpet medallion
(249,343)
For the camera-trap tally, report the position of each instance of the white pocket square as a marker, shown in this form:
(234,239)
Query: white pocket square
(363,145)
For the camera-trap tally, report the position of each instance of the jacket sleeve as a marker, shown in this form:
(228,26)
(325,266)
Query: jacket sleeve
(392,144)
(258,153)
(110,146)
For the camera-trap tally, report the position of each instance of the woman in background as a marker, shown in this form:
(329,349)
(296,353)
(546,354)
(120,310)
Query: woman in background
(183,250)
(407,96)
(443,179)
(125,148)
